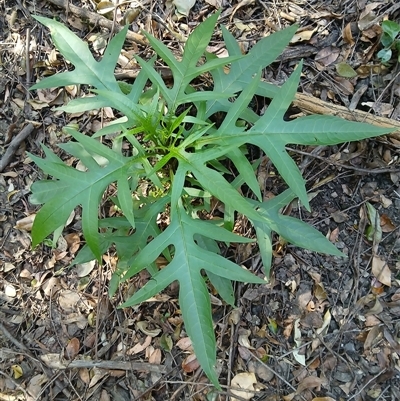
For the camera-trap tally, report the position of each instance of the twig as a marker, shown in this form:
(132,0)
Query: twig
(380,17)
(27,63)
(55,362)
(367,384)
(358,169)
(22,347)
(13,340)
(14,145)
(96,19)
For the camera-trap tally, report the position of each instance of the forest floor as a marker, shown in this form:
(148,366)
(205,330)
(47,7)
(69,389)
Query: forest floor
(61,336)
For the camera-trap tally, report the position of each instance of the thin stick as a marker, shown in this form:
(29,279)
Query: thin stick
(96,19)
(358,169)
(14,145)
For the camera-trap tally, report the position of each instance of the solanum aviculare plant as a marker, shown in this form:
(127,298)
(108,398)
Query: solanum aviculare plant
(181,157)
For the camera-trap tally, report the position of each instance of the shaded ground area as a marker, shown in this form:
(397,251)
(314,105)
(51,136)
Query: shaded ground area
(324,329)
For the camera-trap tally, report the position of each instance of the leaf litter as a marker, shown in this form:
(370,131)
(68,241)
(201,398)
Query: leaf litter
(349,344)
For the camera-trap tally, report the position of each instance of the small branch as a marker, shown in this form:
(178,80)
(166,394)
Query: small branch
(380,17)
(338,164)
(97,19)
(312,105)
(14,145)
(54,361)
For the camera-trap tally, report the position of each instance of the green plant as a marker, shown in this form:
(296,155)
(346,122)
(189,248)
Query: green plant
(181,156)
(389,41)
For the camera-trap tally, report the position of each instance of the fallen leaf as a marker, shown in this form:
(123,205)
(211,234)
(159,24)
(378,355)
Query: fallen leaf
(381,271)
(345,70)
(17,371)
(84,269)
(139,347)
(243,338)
(34,388)
(154,355)
(72,349)
(10,290)
(344,85)
(26,223)
(386,224)
(327,321)
(243,381)
(347,35)
(303,36)
(84,375)
(98,375)
(142,326)
(215,3)
(184,6)
(327,55)
(185,344)
(339,216)
(309,383)
(297,339)
(373,336)
(190,363)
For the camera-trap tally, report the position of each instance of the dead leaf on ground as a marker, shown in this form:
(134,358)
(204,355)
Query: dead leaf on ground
(190,363)
(386,224)
(310,382)
(381,271)
(26,223)
(72,349)
(245,381)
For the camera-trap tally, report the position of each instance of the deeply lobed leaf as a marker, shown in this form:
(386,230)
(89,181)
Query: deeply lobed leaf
(181,156)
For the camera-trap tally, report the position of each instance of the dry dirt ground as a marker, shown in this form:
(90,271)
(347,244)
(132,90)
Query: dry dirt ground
(62,338)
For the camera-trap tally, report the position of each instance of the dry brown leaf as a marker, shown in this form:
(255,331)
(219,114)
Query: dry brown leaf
(376,309)
(373,336)
(243,339)
(154,355)
(334,235)
(381,271)
(185,344)
(302,36)
(73,241)
(386,202)
(386,224)
(320,292)
(34,388)
(215,3)
(323,399)
(310,382)
(315,364)
(366,70)
(7,267)
(139,347)
(344,85)
(72,349)
(26,223)
(244,353)
(327,56)
(371,321)
(98,375)
(190,363)
(84,375)
(289,397)
(339,216)
(243,381)
(70,301)
(142,326)
(347,35)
